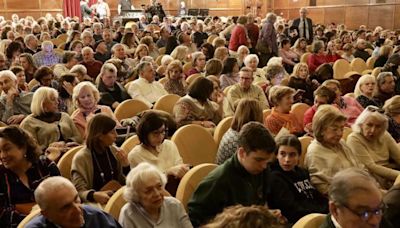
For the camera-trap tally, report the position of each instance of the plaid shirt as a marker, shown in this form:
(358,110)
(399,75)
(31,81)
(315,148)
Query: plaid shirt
(41,59)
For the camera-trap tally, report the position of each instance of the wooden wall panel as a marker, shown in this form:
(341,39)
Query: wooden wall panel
(356,16)
(358,2)
(382,16)
(281,4)
(23,4)
(397,18)
(317,15)
(58,4)
(335,15)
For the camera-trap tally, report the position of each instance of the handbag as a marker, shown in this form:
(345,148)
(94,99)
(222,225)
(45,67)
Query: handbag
(262,47)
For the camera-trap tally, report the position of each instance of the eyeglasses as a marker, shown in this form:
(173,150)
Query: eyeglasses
(159,133)
(375,109)
(367,214)
(246,79)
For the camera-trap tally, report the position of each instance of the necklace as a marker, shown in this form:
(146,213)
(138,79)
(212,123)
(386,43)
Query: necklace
(99,167)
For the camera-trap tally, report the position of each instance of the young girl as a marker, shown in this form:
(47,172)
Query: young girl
(290,186)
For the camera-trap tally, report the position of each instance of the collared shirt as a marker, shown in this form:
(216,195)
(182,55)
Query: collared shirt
(41,59)
(148,92)
(236,93)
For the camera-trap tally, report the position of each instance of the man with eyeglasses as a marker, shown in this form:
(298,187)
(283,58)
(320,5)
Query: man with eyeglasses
(244,89)
(355,201)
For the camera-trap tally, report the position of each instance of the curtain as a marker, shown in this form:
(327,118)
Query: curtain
(72,8)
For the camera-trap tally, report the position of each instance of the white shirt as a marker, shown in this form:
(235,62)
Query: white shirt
(145,91)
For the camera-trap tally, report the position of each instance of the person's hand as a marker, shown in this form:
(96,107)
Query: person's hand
(16,119)
(68,87)
(208,124)
(102,197)
(278,215)
(60,144)
(115,105)
(11,94)
(178,171)
(72,144)
(122,157)
(220,97)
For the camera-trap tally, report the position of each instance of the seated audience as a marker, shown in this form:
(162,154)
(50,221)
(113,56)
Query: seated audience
(364,91)
(384,52)
(155,148)
(146,206)
(289,57)
(354,200)
(112,93)
(230,73)
(251,61)
(240,180)
(69,59)
(60,207)
(14,104)
(44,75)
(328,153)
(290,185)
(22,169)
(198,63)
(386,83)
(281,98)
(347,105)
(21,79)
(300,81)
(242,52)
(145,88)
(47,56)
(92,65)
(101,53)
(81,73)
(196,107)
(247,110)
(392,112)
(375,147)
(214,67)
(175,83)
(360,51)
(244,89)
(26,61)
(348,52)
(300,47)
(67,82)
(99,169)
(318,56)
(332,52)
(85,97)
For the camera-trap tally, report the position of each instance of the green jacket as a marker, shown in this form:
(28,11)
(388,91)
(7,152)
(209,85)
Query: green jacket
(229,184)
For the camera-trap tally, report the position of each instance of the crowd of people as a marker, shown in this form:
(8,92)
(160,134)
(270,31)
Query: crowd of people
(60,95)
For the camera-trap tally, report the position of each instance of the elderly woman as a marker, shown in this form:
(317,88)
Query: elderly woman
(70,59)
(198,63)
(99,168)
(155,148)
(318,57)
(347,105)
(196,108)
(44,75)
(21,171)
(81,73)
(47,125)
(300,80)
(242,52)
(291,189)
(392,112)
(230,73)
(112,93)
(147,207)
(364,91)
(175,83)
(247,110)
(281,97)
(267,45)
(386,83)
(328,153)
(252,61)
(85,96)
(153,50)
(165,60)
(374,146)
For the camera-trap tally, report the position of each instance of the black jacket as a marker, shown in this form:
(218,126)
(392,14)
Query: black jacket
(293,194)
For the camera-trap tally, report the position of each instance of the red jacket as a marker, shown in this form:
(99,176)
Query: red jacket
(238,37)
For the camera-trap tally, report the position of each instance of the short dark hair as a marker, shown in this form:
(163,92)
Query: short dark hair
(288,140)
(201,89)
(150,121)
(229,64)
(284,42)
(42,72)
(23,140)
(99,125)
(254,136)
(16,69)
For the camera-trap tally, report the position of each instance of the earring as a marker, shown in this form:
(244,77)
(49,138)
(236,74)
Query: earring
(25,156)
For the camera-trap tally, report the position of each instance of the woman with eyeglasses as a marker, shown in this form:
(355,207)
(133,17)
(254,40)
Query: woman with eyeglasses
(155,148)
(375,147)
(99,168)
(22,168)
(328,153)
(364,91)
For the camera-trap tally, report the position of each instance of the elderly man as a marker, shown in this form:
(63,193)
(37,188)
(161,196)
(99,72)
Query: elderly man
(304,26)
(119,52)
(145,88)
(360,51)
(244,89)
(108,39)
(355,201)
(92,65)
(60,206)
(31,44)
(240,180)
(15,105)
(47,56)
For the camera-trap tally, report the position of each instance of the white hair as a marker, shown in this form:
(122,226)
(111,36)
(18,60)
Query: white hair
(79,68)
(365,115)
(249,57)
(137,176)
(49,185)
(361,81)
(165,59)
(47,43)
(275,61)
(40,95)
(9,74)
(85,49)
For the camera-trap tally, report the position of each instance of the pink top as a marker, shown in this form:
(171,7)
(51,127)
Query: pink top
(288,56)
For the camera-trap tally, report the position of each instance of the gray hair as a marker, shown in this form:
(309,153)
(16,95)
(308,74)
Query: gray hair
(108,67)
(165,59)
(28,38)
(9,74)
(142,65)
(368,113)
(271,17)
(47,43)
(348,182)
(381,77)
(249,58)
(79,68)
(39,97)
(50,184)
(85,49)
(137,176)
(86,33)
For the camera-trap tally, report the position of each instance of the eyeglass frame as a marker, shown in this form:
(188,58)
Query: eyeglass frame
(367,214)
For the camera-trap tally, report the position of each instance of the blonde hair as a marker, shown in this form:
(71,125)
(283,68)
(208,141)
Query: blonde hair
(39,97)
(180,53)
(84,85)
(361,81)
(297,68)
(276,93)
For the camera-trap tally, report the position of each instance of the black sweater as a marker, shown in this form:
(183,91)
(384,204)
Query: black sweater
(293,194)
